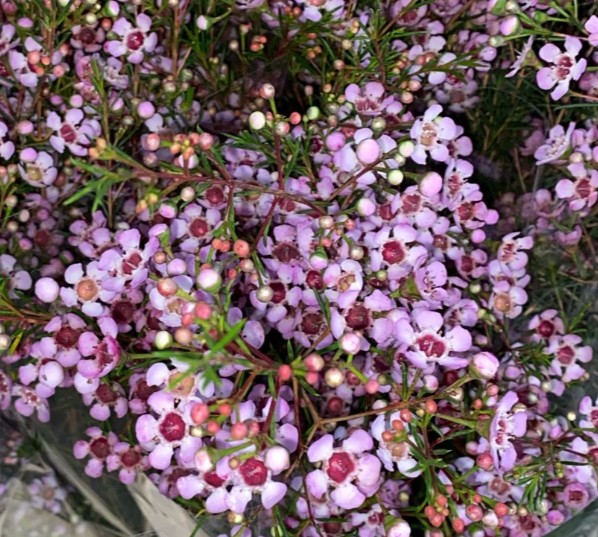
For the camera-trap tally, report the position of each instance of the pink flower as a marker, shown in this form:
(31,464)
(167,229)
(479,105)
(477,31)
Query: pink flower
(567,352)
(161,436)
(37,168)
(106,399)
(29,402)
(546,325)
(128,460)
(557,143)
(431,134)
(134,40)
(506,425)
(127,265)
(86,288)
(426,346)
(100,355)
(353,474)
(582,192)
(74,132)
(98,448)
(564,69)
(369,100)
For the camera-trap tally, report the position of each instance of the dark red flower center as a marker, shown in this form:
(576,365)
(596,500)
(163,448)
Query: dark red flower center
(566,355)
(173,427)
(3,383)
(314,280)
(214,195)
(393,252)
(198,227)
(100,447)
(280,292)
(583,188)
(43,238)
(105,394)
(465,211)
(312,323)
(68,133)
(286,252)
(144,390)
(358,317)
(340,466)
(212,478)
(131,263)
(86,35)
(411,203)
(254,472)
(431,346)
(122,311)
(135,40)
(130,458)
(546,328)
(104,355)
(67,337)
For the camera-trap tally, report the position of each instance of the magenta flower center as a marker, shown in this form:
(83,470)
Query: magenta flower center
(563,66)
(105,394)
(214,195)
(358,317)
(314,280)
(286,252)
(173,427)
(198,227)
(131,263)
(465,211)
(566,355)
(280,292)
(254,472)
(594,417)
(123,311)
(340,466)
(67,337)
(135,40)
(312,323)
(393,252)
(431,346)
(130,458)
(68,133)
(546,328)
(412,203)
(100,447)
(583,188)
(213,479)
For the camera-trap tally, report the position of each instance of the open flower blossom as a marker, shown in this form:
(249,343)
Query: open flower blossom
(351,472)
(506,425)
(134,41)
(565,67)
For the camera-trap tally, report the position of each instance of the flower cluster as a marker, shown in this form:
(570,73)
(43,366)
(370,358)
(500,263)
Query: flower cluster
(275,250)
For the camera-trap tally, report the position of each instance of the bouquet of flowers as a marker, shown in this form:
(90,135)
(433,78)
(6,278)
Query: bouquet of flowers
(325,267)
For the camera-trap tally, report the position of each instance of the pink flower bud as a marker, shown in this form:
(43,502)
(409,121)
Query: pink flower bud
(146,110)
(46,289)
(277,459)
(350,343)
(209,280)
(368,151)
(484,365)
